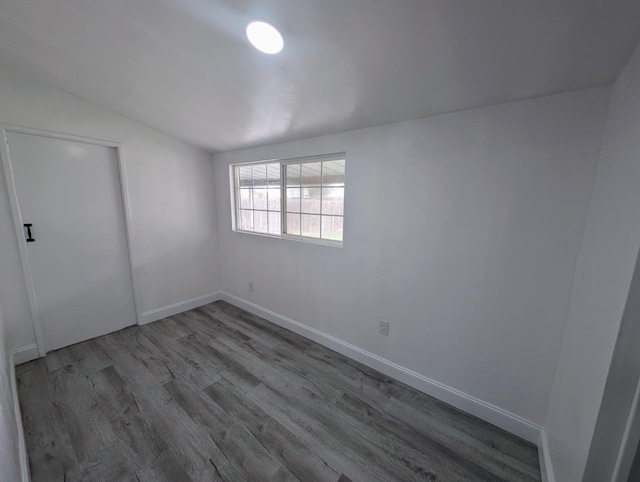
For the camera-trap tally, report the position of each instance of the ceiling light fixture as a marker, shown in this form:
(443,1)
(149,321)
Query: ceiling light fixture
(265,37)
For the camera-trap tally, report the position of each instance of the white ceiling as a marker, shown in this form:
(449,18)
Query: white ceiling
(185,68)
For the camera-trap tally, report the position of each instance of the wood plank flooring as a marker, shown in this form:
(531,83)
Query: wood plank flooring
(219,394)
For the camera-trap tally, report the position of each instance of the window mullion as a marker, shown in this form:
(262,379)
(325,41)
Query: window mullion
(321,184)
(301,198)
(238,201)
(283,199)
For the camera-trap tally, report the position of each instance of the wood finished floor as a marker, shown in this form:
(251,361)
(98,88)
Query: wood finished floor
(219,394)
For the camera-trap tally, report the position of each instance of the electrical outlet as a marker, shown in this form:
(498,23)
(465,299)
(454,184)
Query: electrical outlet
(250,287)
(384,328)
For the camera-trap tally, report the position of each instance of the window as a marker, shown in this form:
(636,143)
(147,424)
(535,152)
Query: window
(258,198)
(296,198)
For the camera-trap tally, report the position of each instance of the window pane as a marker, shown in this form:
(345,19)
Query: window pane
(259,175)
(311,173)
(245,198)
(246,220)
(293,175)
(260,222)
(273,195)
(333,173)
(243,174)
(333,200)
(293,200)
(311,226)
(274,223)
(293,224)
(260,199)
(311,200)
(332,227)
(273,174)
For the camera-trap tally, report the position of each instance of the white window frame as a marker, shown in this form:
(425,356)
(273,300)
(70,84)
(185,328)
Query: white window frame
(235,201)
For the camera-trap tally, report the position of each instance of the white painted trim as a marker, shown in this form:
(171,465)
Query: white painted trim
(18,223)
(22,245)
(629,444)
(546,467)
(179,307)
(490,413)
(124,192)
(22,445)
(25,354)
(57,135)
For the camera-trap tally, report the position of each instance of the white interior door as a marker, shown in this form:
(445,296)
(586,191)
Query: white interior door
(70,193)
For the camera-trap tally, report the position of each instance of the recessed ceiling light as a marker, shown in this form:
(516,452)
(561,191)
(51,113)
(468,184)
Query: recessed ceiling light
(265,37)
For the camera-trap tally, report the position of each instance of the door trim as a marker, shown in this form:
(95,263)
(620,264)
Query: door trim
(629,445)
(5,154)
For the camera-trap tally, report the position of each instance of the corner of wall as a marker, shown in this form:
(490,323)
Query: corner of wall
(175,308)
(546,465)
(22,445)
(216,224)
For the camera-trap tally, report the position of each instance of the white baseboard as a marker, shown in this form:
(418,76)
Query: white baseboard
(495,415)
(175,308)
(25,354)
(22,445)
(546,467)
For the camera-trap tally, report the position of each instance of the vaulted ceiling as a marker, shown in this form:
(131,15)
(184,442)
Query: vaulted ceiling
(185,68)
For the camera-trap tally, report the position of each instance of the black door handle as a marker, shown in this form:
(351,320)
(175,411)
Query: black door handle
(29,236)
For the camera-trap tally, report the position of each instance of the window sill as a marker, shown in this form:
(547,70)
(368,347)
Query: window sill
(300,239)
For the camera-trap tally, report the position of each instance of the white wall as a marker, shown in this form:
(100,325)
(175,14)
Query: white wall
(9,438)
(462,230)
(171,199)
(603,276)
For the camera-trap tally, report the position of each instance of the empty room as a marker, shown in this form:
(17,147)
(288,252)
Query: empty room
(319,240)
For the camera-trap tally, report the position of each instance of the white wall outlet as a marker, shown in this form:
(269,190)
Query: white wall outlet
(384,328)
(250,286)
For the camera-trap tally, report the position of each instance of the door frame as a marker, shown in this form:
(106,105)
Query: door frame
(617,432)
(5,154)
